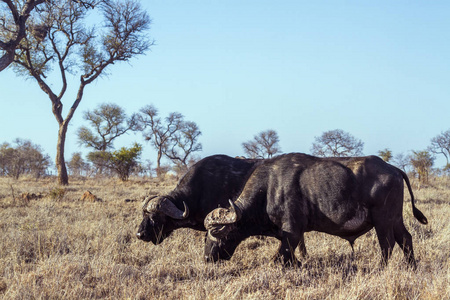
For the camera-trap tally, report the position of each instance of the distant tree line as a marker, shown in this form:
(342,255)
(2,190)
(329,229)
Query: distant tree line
(176,141)
(338,143)
(174,138)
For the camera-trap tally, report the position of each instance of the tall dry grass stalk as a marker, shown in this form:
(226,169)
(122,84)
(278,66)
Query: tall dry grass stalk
(59,247)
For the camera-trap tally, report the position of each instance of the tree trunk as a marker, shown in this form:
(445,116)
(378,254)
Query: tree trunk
(158,164)
(63,178)
(6,60)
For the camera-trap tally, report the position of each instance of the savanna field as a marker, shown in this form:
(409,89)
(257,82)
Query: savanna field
(56,245)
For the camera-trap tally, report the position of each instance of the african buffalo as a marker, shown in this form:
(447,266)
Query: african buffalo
(207,185)
(295,193)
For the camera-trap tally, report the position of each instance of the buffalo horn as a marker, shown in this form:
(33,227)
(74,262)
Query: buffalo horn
(236,211)
(165,206)
(222,216)
(169,209)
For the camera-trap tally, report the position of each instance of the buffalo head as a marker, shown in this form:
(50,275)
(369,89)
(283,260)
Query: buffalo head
(220,241)
(159,219)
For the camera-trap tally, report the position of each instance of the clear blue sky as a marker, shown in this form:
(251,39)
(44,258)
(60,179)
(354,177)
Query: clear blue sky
(379,70)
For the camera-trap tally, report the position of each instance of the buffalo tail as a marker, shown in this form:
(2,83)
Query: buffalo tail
(416,212)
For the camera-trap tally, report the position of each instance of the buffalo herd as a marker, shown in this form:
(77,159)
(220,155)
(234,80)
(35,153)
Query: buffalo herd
(284,197)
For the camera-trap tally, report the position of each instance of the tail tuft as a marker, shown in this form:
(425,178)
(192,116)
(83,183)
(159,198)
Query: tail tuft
(419,216)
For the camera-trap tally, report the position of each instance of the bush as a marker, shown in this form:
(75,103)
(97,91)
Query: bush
(57,193)
(24,158)
(122,162)
(422,161)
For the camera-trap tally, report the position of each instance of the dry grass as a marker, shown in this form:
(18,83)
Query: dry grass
(59,247)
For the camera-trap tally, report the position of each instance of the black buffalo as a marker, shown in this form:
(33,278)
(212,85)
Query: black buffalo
(295,193)
(207,185)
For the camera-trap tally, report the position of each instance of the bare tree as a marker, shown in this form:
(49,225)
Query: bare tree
(13,26)
(264,145)
(401,161)
(108,121)
(337,143)
(68,46)
(441,145)
(145,168)
(161,133)
(183,144)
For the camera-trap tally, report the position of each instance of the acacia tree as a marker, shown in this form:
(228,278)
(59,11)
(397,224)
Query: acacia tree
(441,145)
(160,133)
(183,144)
(337,143)
(385,154)
(13,26)
(422,161)
(264,145)
(76,164)
(124,160)
(24,158)
(108,121)
(68,46)
(173,136)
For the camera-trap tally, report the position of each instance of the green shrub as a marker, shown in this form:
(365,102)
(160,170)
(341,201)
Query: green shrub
(57,193)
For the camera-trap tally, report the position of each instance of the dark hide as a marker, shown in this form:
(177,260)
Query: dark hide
(295,193)
(208,184)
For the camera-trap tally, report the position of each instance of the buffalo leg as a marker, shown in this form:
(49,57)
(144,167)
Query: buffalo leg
(386,239)
(404,240)
(285,253)
(302,246)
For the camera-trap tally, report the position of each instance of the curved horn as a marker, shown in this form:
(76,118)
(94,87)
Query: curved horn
(167,207)
(237,213)
(222,216)
(186,211)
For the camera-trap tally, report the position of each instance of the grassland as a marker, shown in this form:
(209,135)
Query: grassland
(53,245)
